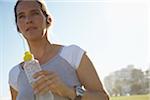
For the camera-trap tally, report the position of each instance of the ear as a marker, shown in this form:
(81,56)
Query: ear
(48,20)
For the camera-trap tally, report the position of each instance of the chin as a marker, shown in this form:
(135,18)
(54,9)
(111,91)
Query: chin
(34,38)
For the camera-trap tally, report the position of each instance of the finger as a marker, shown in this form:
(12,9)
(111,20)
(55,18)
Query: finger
(42,89)
(50,76)
(51,83)
(49,79)
(39,82)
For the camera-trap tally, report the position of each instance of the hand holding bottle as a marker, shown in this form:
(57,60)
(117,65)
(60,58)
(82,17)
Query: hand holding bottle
(52,81)
(31,67)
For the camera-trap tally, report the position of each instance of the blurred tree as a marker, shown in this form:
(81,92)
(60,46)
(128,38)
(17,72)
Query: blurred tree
(128,81)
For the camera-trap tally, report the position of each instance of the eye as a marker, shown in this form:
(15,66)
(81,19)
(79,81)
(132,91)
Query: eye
(21,16)
(35,13)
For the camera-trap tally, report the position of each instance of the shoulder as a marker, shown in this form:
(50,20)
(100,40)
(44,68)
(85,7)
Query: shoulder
(73,54)
(15,70)
(71,49)
(72,46)
(13,76)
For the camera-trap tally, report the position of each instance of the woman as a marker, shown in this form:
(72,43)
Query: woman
(65,69)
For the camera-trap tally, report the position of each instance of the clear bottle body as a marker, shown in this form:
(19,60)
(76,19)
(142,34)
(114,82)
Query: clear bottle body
(30,68)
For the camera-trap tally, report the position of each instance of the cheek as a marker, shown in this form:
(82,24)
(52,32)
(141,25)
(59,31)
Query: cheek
(43,21)
(20,26)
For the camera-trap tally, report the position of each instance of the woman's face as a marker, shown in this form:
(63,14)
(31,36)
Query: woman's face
(30,20)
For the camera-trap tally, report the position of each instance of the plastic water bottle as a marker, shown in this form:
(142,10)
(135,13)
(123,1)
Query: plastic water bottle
(31,66)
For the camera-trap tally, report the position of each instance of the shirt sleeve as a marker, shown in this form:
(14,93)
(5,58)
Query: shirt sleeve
(73,54)
(13,76)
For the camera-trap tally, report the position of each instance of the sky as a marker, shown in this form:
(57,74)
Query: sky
(114,33)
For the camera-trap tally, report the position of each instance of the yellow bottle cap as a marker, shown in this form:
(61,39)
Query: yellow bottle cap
(28,56)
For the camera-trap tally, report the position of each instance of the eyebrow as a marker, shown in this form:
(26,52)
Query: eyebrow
(34,10)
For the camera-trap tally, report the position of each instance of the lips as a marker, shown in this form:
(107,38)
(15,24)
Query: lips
(30,28)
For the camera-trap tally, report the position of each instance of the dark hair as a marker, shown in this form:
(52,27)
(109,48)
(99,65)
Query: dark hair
(43,9)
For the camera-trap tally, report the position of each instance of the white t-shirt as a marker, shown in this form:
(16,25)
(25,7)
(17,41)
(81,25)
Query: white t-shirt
(72,54)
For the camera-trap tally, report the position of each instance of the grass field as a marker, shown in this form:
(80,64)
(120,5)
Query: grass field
(136,97)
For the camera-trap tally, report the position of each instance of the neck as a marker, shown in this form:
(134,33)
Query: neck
(38,48)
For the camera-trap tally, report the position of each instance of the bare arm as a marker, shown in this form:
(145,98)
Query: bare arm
(13,93)
(90,80)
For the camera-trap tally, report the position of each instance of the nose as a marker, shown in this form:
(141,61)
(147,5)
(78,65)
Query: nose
(28,20)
